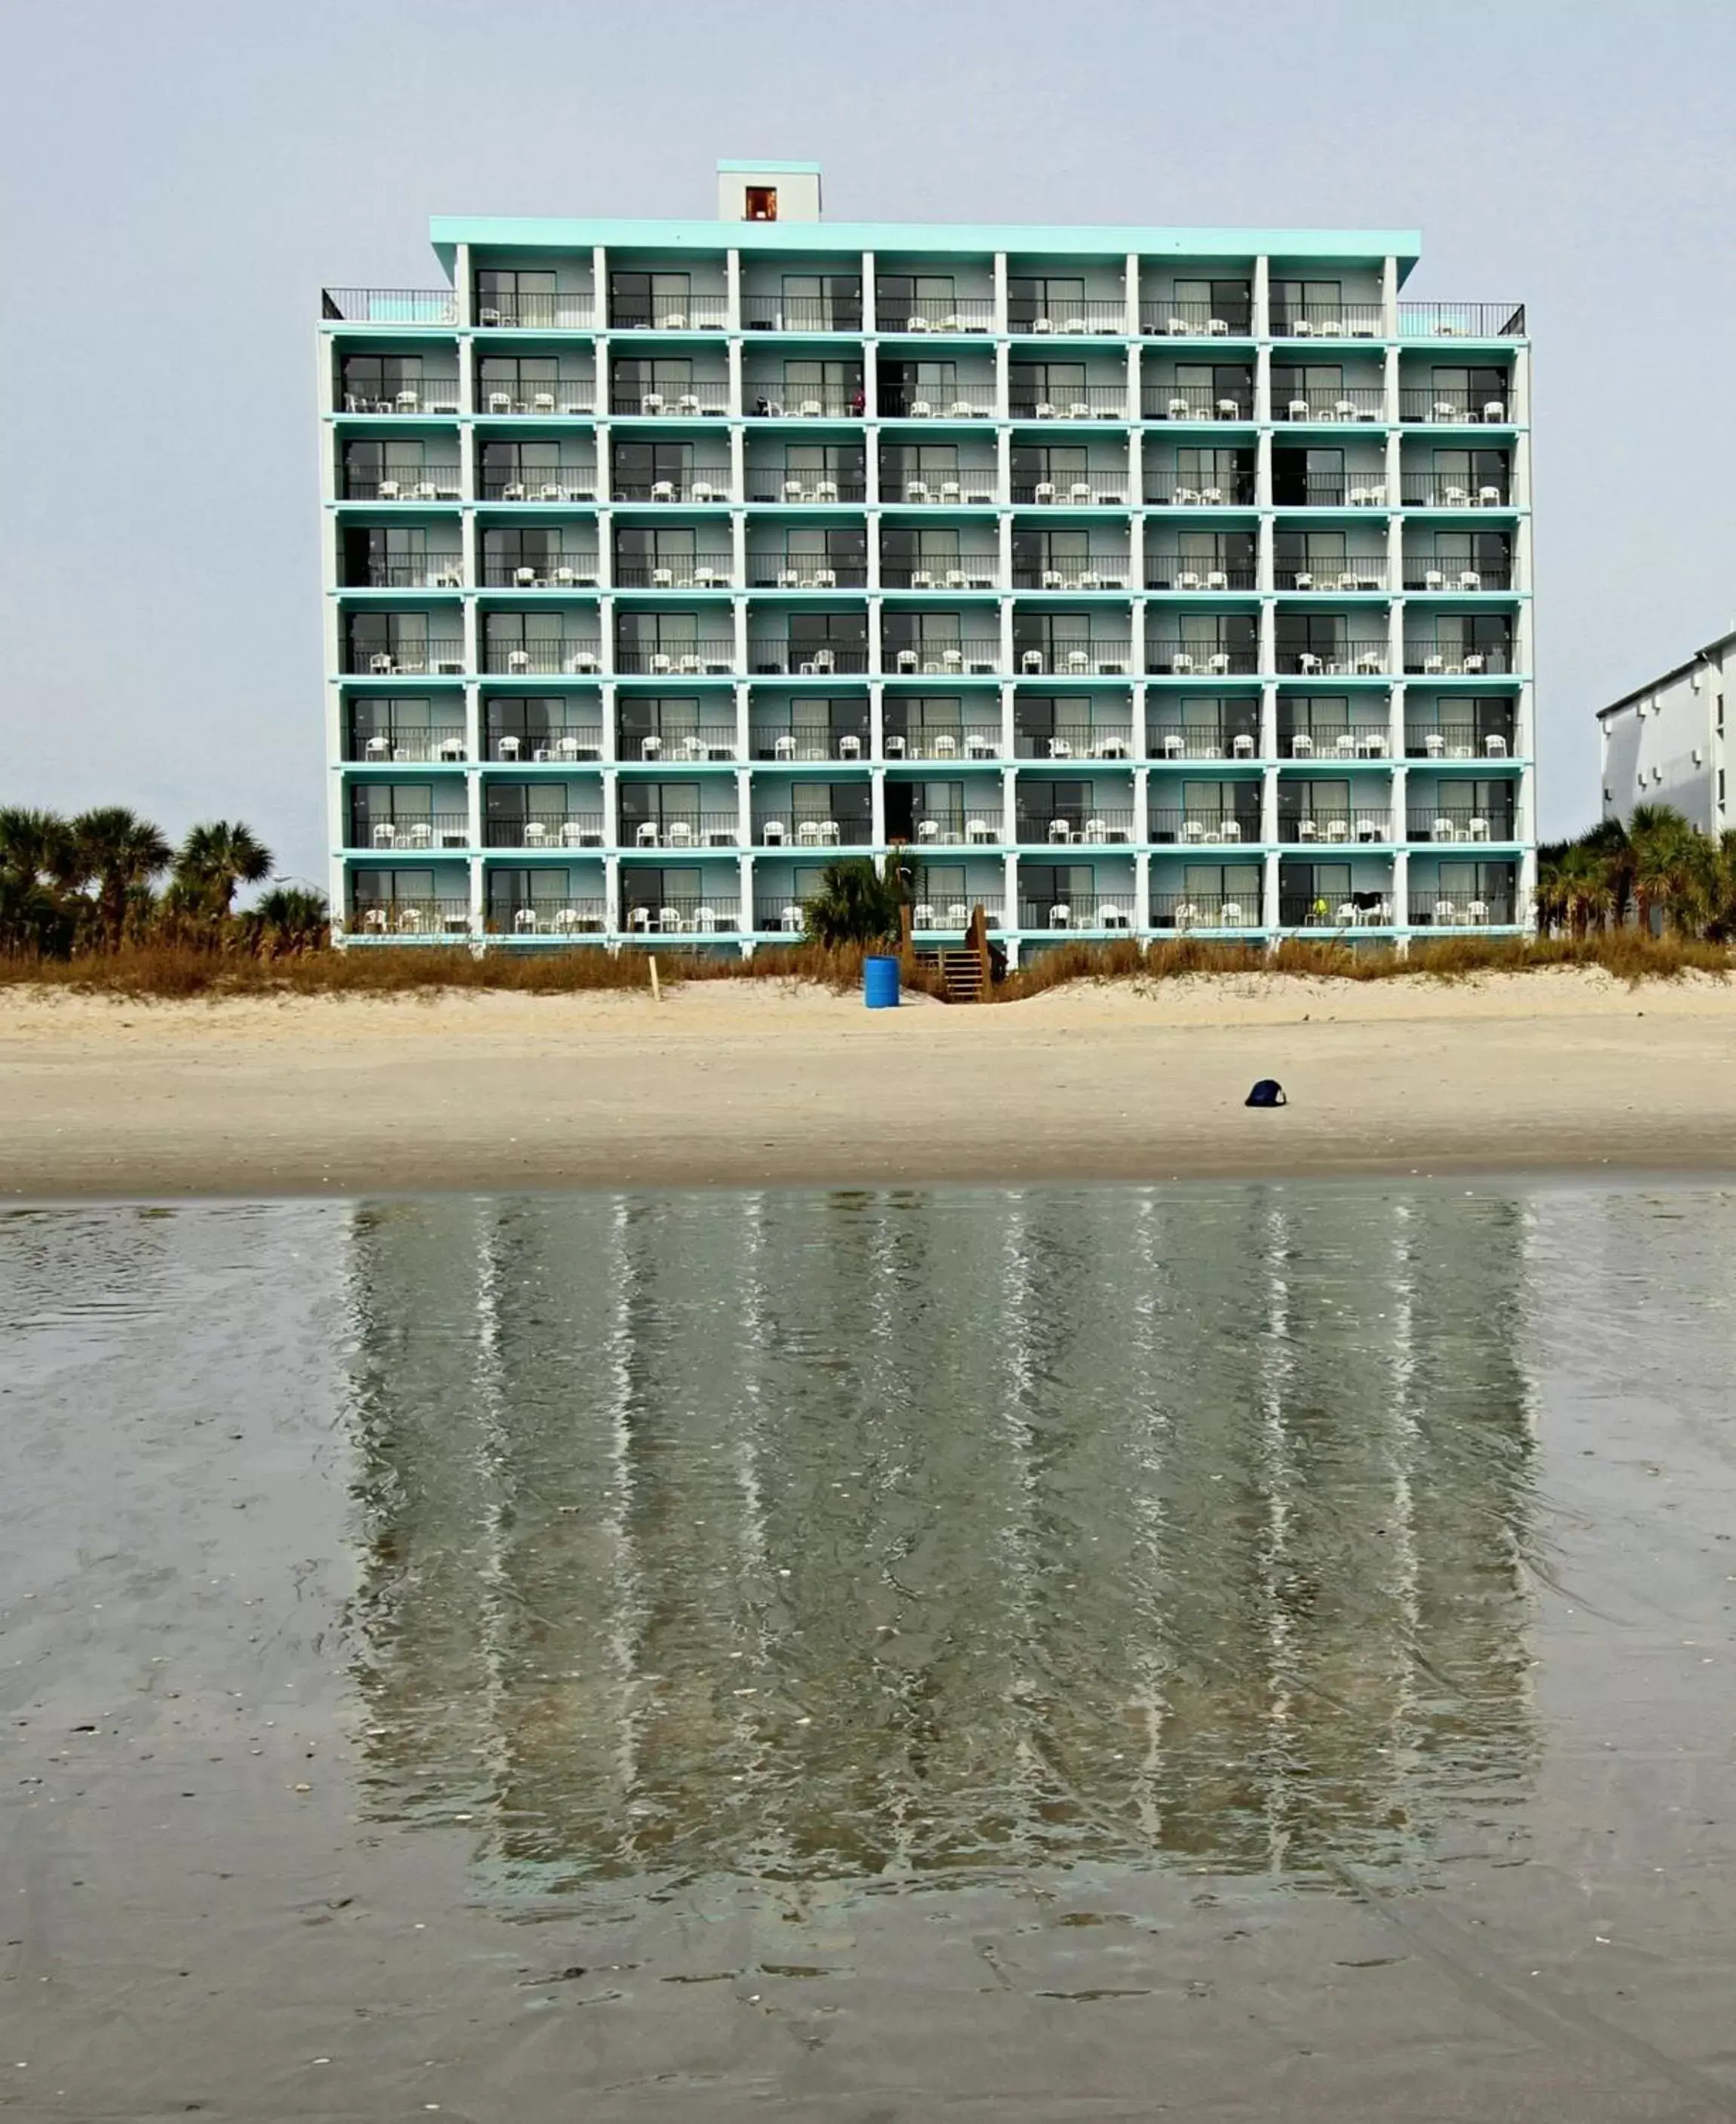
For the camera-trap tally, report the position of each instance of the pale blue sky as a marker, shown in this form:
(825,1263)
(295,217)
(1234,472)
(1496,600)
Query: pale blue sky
(180,178)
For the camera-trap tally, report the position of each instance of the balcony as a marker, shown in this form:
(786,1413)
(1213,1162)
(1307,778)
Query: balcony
(1095,659)
(780,918)
(692,311)
(1455,741)
(1080,402)
(971,490)
(1195,571)
(1334,828)
(705,744)
(554,310)
(1171,660)
(766,401)
(572,745)
(682,917)
(1091,571)
(1168,319)
(1102,829)
(1332,491)
(974,656)
(1343,404)
(952,917)
(963,828)
(1360,573)
(805,572)
(712,657)
(1073,491)
(1461,320)
(692,402)
(442,745)
(1082,741)
(979,575)
(1362,911)
(574,830)
(405,571)
(435,658)
(1331,320)
(435,397)
(1430,490)
(1451,406)
(806,660)
(687,831)
(709,484)
(1068,317)
(1458,824)
(575,658)
(801,313)
(1180,490)
(1438,659)
(420,834)
(1203,741)
(787,746)
(430,917)
(782,829)
(1195,911)
(1491,911)
(1100,911)
(390,306)
(552,915)
(967,742)
(1368,657)
(572,398)
(1195,401)
(909,314)
(769,484)
(898,401)
(1346,741)
(1429,575)
(423,482)
(552,571)
(678,571)
(1195,828)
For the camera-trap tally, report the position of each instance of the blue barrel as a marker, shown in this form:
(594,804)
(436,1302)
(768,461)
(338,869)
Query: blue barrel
(880,984)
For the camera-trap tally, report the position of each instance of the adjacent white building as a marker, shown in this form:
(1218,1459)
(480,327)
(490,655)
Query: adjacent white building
(1664,742)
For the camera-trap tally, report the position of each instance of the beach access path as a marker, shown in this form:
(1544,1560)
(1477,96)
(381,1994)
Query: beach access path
(762,1082)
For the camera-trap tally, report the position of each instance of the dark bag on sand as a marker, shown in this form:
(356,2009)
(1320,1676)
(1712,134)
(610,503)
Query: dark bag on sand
(1268,1092)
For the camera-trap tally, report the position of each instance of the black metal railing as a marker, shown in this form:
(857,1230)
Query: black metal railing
(1094,829)
(570,745)
(564,398)
(683,830)
(1338,405)
(1196,402)
(434,398)
(1490,910)
(1334,490)
(1329,320)
(1168,319)
(426,482)
(974,489)
(681,916)
(557,571)
(806,659)
(1439,659)
(1170,741)
(578,657)
(1194,826)
(708,484)
(390,306)
(780,918)
(902,401)
(1080,490)
(710,657)
(1068,402)
(572,483)
(1202,910)
(783,829)
(421,917)
(688,313)
(672,402)
(1092,571)
(934,313)
(558,310)
(439,744)
(1346,740)
(1358,572)
(1429,490)
(974,571)
(973,656)
(784,743)
(1099,658)
(801,313)
(1363,826)
(704,743)
(1430,575)
(419,832)
(437,657)
(804,572)
(1460,822)
(1101,911)
(1074,741)
(1461,320)
(1197,572)
(429,571)
(1456,741)
(767,400)
(769,484)
(1073,316)
(1177,660)
(982,826)
(967,742)
(1369,657)
(552,915)
(685,571)
(952,917)
(1319,910)
(546,829)
(1187,490)
(1452,406)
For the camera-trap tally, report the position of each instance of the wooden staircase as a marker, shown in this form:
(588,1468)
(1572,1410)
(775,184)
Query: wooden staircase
(961,974)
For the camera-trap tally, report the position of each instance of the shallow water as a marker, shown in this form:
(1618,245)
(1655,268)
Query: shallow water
(1036,1653)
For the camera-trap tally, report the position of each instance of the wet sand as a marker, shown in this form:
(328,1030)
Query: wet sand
(751,1084)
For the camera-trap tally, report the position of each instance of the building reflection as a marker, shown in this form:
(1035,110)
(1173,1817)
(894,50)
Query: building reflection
(851,1536)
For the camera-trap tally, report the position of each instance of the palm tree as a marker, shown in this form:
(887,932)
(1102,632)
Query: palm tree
(215,860)
(38,869)
(855,905)
(1672,866)
(287,920)
(119,853)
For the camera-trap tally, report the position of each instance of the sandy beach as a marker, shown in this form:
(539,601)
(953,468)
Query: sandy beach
(743,1083)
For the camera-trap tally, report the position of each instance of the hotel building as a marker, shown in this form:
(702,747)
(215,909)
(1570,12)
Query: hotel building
(1119,580)
(1664,743)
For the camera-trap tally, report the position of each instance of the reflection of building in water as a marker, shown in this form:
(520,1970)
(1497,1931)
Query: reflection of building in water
(822,1536)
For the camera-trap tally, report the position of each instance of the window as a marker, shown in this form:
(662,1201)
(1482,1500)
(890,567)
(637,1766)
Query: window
(1231,302)
(641,467)
(1301,479)
(513,297)
(647,299)
(1312,302)
(762,202)
(1055,297)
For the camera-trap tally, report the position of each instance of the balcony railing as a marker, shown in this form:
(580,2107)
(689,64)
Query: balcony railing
(1461,911)
(1074,741)
(963,741)
(805,660)
(961,402)
(578,659)
(687,402)
(1094,572)
(430,916)
(440,745)
(442,482)
(1451,406)
(973,656)
(1336,829)
(572,483)
(550,915)
(1342,404)
(1200,910)
(1428,489)
(1361,572)
(947,829)
(1096,659)
(782,829)
(769,401)
(1433,660)
(434,658)
(684,831)
(1456,741)
(563,571)
(1187,490)
(705,743)
(682,917)
(1168,319)
(1196,828)
(1071,401)
(432,830)
(574,744)
(684,571)
(430,572)
(1203,741)
(688,313)
(558,312)
(934,313)
(1175,660)
(1098,829)
(1453,822)
(952,917)
(801,313)
(576,830)
(971,490)
(435,397)
(1429,577)
(795,747)
(780,918)
(1075,491)
(1361,910)
(784,571)
(391,306)
(1196,402)
(1111,911)
(570,397)
(1336,741)
(1370,657)
(709,484)
(1336,490)
(1194,572)
(977,574)
(1338,319)
(768,483)
(713,657)
(1461,320)
(1072,317)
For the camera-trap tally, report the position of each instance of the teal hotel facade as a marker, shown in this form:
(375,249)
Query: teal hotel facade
(1120,580)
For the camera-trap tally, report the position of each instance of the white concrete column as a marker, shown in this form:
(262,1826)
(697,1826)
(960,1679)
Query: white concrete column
(1130,284)
(1009,802)
(1000,294)
(1389,382)
(1390,296)
(606,694)
(463,282)
(1007,721)
(737,404)
(870,312)
(1141,891)
(1269,890)
(877,731)
(1262,299)
(600,294)
(1141,805)
(732,305)
(876,806)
